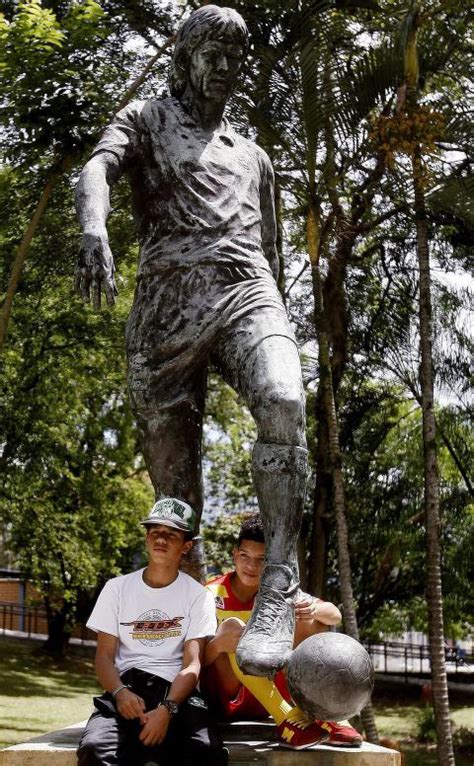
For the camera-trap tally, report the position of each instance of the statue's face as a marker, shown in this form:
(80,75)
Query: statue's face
(214,69)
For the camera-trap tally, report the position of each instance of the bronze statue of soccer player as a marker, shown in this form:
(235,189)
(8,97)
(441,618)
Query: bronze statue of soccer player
(206,293)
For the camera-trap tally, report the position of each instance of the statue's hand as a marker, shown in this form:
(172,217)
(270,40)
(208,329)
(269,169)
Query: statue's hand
(95,269)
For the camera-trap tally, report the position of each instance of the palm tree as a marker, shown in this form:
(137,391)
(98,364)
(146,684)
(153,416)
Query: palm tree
(431,482)
(322,91)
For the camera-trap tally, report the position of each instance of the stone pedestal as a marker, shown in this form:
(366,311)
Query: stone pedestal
(248,742)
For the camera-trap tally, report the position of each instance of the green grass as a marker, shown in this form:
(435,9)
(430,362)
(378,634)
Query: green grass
(463,716)
(39,694)
(400,721)
(397,721)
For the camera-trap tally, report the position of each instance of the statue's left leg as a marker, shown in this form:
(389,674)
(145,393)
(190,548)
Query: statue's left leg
(279,470)
(279,474)
(270,380)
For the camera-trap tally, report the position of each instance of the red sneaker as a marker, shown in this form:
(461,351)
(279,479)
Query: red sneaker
(298,731)
(341,734)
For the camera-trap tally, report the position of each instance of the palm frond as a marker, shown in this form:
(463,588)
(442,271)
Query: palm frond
(456,196)
(312,105)
(369,83)
(458,130)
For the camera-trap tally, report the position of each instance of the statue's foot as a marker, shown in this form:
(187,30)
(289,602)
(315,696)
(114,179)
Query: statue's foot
(267,642)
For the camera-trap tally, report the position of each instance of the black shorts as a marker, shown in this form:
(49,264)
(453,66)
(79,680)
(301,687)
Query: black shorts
(192,738)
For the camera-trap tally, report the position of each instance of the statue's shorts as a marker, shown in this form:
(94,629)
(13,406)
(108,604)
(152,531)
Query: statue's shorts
(185,318)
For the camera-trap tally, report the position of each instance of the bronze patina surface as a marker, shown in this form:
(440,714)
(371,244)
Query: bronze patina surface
(206,293)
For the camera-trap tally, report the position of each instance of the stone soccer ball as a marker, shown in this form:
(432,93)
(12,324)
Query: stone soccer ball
(330,676)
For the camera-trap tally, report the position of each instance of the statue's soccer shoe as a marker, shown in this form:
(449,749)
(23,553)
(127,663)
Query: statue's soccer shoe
(341,734)
(267,641)
(298,731)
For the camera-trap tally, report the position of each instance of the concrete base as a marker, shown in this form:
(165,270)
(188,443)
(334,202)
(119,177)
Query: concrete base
(248,742)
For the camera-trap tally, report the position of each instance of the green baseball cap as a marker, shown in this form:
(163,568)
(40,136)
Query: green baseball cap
(172,513)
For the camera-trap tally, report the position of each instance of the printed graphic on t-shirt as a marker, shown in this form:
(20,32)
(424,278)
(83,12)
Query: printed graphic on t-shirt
(154,626)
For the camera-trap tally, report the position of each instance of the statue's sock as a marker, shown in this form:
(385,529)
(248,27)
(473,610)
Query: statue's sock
(279,474)
(265,691)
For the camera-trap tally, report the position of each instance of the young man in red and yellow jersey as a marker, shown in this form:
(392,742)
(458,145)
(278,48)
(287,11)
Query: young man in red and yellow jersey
(238,696)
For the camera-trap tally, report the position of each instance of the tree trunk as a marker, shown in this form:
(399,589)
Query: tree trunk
(329,408)
(432,514)
(59,631)
(434,594)
(317,560)
(334,304)
(335,323)
(279,240)
(194,563)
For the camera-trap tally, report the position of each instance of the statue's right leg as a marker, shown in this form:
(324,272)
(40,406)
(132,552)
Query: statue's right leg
(171,442)
(167,388)
(259,358)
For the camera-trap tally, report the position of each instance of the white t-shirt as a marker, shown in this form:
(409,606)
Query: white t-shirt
(152,624)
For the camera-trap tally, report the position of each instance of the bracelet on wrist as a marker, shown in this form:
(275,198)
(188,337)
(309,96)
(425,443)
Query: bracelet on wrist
(119,689)
(171,706)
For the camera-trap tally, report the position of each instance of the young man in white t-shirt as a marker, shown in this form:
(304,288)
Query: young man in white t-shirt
(152,626)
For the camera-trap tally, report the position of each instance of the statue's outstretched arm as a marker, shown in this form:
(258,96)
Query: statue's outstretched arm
(95,267)
(115,152)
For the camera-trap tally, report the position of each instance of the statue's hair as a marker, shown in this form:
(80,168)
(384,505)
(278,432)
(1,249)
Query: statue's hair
(207,23)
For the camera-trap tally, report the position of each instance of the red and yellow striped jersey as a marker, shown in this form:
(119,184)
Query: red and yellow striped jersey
(227,603)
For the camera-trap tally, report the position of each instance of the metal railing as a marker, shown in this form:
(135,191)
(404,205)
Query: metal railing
(25,619)
(390,657)
(32,620)
(394,657)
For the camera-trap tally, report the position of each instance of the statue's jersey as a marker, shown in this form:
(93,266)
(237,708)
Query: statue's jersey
(204,207)
(199,196)
(227,603)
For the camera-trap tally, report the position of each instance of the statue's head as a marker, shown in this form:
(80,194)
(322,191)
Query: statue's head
(210,48)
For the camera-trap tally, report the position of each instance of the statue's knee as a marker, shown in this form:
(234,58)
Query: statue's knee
(292,409)
(282,419)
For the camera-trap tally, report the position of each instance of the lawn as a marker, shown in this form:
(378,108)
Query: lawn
(400,721)
(39,694)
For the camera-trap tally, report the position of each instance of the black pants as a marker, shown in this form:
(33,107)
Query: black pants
(191,739)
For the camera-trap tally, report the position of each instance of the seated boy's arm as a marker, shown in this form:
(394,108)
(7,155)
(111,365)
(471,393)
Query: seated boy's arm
(311,609)
(128,704)
(224,642)
(158,720)
(186,680)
